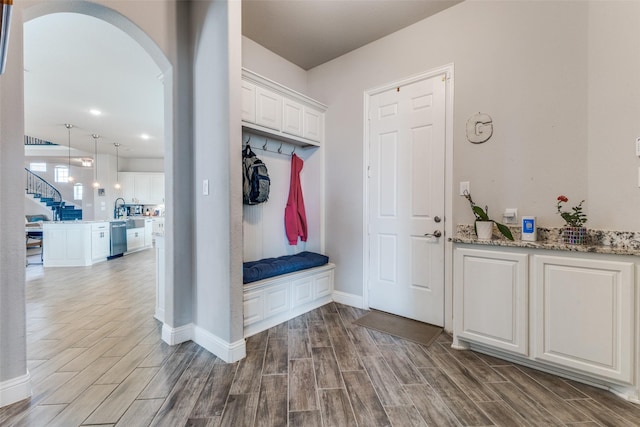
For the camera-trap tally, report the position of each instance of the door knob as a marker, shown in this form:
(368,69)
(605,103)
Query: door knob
(436,233)
(437,219)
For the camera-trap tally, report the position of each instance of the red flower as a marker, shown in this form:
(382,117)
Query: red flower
(563,199)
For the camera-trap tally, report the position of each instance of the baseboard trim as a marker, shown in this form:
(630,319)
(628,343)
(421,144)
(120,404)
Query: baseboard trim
(15,389)
(173,336)
(349,299)
(229,352)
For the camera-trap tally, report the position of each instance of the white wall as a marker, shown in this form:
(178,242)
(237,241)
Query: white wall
(524,63)
(217,136)
(614,110)
(272,66)
(141,165)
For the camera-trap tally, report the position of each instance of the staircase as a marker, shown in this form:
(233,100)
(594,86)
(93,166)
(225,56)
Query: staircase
(51,197)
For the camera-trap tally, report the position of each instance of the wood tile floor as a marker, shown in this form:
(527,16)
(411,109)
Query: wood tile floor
(96,358)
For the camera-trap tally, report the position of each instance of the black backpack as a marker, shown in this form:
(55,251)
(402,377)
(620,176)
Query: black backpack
(255,178)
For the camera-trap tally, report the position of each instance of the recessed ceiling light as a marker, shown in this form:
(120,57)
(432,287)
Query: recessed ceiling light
(95,112)
(145,136)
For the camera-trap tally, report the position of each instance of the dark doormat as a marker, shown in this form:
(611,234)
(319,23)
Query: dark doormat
(412,330)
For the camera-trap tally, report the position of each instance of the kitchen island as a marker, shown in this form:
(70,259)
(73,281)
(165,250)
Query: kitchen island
(84,243)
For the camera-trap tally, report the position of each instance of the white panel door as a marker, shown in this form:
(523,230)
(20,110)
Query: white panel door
(406,200)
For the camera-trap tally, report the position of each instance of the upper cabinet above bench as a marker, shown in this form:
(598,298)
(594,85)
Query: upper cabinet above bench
(271,109)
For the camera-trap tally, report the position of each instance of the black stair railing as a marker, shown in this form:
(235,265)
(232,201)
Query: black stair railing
(40,188)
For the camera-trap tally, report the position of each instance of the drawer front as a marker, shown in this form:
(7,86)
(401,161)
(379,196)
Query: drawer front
(253,307)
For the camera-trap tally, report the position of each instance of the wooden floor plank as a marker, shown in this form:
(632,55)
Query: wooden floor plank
(561,409)
(430,406)
(526,407)
(140,413)
(240,410)
(400,364)
(77,385)
(76,412)
(277,356)
(389,389)
(302,386)
(456,400)
(335,408)
(305,419)
(122,397)
(215,391)
(405,416)
(247,379)
(167,376)
(367,408)
(272,402)
(326,368)
(299,346)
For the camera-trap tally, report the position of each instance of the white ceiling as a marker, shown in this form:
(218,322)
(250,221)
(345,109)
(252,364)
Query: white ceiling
(312,32)
(75,63)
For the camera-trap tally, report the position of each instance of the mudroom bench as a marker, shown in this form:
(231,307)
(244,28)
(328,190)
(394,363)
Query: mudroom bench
(279,289)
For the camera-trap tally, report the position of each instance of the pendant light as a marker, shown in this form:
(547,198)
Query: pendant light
(117,186)
(95,137)
(69,126)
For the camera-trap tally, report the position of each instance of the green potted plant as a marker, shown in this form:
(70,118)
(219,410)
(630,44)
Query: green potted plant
(574,231)
(484,225)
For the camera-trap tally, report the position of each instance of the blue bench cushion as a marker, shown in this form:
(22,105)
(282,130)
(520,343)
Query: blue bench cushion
(271,267)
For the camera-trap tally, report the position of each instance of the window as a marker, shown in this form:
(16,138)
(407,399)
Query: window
(77,191)
(61,174)
(38,167)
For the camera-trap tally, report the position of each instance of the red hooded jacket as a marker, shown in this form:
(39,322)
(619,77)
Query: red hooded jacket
(295,218)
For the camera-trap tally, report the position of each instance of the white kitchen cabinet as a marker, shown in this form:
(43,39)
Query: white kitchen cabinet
(127,191)
(158,225)
(583,315)
(135,239)
(157,189)
(491,290)
(100,241)
(148,232)
(271,109)
(146,188)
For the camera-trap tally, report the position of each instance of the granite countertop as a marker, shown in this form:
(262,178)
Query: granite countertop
(597,241)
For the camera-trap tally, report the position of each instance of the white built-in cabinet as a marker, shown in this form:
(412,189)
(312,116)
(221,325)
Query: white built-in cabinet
(492,298)
(583,315)
(568,312)
(269,108)
(146,188)
(100,241)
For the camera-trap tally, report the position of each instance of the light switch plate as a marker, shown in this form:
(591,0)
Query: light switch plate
(464,186)
(205,187)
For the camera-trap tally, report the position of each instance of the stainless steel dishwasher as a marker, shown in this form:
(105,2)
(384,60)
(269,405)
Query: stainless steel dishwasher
(118,234)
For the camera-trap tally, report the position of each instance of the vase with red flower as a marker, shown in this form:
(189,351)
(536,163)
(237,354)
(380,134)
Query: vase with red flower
(574,231)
